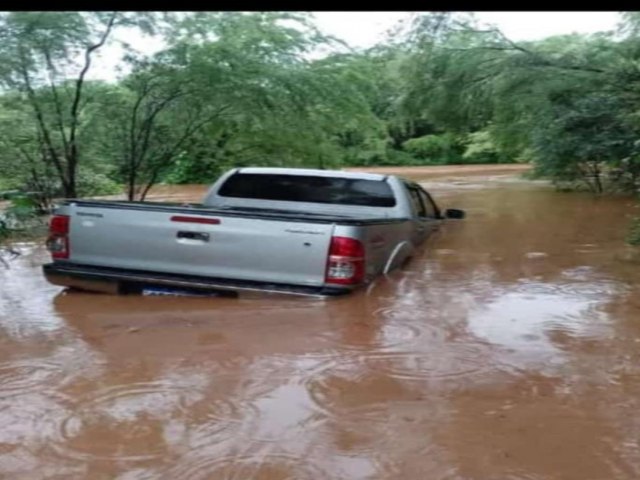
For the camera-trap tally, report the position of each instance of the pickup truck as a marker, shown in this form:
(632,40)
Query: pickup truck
(297,231)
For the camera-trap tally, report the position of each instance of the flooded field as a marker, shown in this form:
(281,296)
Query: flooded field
(509,349)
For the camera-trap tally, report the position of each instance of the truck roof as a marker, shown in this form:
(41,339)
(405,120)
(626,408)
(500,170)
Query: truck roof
(313,172)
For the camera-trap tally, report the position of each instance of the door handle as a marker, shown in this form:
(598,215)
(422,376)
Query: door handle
(201,236)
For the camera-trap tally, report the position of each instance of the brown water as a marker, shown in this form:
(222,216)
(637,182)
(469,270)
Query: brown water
(510,349)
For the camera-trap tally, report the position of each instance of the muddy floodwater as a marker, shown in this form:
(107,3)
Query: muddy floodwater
(508,349)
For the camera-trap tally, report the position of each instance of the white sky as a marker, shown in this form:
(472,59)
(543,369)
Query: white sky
(365,29)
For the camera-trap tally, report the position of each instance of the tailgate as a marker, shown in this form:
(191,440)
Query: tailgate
(231,247)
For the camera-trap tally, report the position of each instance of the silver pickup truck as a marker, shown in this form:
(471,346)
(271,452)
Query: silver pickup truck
(298,231)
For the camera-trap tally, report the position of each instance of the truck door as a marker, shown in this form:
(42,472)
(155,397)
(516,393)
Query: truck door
(419,220)
(431,209)
(425,215)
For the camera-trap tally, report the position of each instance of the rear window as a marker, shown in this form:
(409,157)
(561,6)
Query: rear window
(302,188)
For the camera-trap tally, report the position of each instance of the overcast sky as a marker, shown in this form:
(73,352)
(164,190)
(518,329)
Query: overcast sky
(364,29)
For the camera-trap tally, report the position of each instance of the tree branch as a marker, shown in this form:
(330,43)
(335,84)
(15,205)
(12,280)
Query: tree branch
(73,151)
(40,120)
(56,100)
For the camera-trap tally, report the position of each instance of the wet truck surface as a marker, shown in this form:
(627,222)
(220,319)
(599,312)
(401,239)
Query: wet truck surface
(507,349)
(288,230)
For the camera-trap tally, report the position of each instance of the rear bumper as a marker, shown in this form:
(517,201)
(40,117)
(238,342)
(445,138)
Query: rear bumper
(112,280)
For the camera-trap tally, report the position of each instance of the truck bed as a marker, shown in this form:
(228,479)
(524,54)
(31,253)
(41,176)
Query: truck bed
(197,246)
(245,212)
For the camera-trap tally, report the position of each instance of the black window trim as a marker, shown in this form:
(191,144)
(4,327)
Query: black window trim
(392,199)
(412,187)
(432,201)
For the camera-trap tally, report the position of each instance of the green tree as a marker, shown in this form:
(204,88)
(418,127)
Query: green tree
(45,57)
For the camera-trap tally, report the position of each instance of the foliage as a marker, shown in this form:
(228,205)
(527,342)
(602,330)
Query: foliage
(633,236)
(567,103)
(435,149)
(22,218)
(19,218)
(481,148)
(44,61)
(234,89)
(590,137)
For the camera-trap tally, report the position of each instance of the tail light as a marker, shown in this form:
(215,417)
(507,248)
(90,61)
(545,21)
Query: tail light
(345,265)
(58,241)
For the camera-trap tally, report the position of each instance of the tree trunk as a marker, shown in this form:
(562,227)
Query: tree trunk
(150,183)
(131,187)
(71,190)
(597,178)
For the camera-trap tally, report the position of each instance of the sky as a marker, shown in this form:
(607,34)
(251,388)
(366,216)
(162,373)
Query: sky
(365,29)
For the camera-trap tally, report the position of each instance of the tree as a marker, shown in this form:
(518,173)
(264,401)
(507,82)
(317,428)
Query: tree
(153,115)
(436,149)
(235,89)
(23,153)
(39,53)
(589,136)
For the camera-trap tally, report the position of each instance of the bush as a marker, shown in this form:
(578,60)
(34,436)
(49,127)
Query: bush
(21,209)
(398,157)
(91,184)
(6,184)
(440,149)
(22,215)
(481,148)
(633,236)
(4,229)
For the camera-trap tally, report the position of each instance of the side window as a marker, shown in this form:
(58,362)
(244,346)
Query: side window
(432,211)
(418,206)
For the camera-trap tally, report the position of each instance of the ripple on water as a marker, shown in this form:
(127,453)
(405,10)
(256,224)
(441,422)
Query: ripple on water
(129,422)
(32,420)
(409,321)
(200,466)
(27,376)
(320,381)
(366,382)
(401,342)
(222,419)
(373,336)
(231,362)
(116,423)
(580,284)
(452,360)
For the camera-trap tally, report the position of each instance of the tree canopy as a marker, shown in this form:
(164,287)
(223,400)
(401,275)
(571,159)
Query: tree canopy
(230,88)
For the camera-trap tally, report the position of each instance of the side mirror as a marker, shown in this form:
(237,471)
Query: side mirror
(454,213)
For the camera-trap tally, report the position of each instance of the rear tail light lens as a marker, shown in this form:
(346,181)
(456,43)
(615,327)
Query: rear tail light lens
(58,241)
(345,265)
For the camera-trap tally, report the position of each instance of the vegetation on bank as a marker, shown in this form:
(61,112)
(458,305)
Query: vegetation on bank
(233,89)
(19,220)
